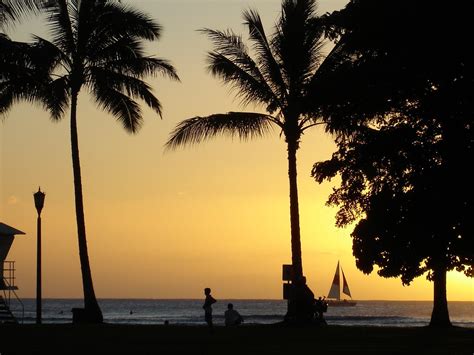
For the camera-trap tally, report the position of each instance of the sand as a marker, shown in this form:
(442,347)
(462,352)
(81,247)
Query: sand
(247,339)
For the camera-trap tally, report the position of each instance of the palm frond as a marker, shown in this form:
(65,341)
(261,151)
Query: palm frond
(298,42)
(14,10)
(126,55)
(231,62)
(265,58)
(23,87)
(55,97)
(119,20)
(47,56)
(245,125)
(111,48)
(6,101)
(122,107)
(228,43)
(60,24)
(144,66)
(247,88)
(124,84)
(153,66)
(12,53)
(7,14)
(24,73)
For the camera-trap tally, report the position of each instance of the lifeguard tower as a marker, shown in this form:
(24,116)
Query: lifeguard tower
(7,274)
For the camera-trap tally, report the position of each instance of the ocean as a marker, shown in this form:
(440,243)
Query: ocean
(189,312)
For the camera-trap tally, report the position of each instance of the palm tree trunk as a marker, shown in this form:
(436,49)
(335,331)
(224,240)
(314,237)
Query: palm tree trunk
(301,299)
(294,212)
(92,312)
(440,314)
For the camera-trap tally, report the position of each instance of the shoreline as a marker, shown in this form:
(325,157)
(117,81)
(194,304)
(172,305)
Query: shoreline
(247,339)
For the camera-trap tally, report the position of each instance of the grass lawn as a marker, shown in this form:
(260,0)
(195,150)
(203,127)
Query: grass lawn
(248,339)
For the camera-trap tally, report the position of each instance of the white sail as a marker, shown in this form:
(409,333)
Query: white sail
(345,285)
(335,291)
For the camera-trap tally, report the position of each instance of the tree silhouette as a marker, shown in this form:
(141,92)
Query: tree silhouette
(405,107)
(277,78)
(96,45)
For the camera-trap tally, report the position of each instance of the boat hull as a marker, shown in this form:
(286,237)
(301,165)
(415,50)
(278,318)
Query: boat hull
(341,303)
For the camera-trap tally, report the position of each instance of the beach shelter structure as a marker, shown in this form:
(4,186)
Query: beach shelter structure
(7,273)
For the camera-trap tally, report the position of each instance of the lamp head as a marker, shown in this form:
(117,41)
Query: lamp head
(39,200)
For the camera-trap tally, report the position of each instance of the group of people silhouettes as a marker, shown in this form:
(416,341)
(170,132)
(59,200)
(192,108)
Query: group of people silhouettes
(303,302)
(320,307)
(303,307)
(231,316)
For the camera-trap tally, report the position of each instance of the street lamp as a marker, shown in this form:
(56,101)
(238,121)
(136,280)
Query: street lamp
(39,202)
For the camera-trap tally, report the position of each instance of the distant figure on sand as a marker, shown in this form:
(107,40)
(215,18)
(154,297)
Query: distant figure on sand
(232,317)
(208,306)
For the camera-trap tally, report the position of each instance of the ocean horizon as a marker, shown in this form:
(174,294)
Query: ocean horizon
(150,311)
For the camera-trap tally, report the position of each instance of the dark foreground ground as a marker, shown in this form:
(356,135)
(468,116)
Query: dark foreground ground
(273,339)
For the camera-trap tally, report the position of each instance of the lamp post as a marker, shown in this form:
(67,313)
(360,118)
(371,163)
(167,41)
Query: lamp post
(39,202)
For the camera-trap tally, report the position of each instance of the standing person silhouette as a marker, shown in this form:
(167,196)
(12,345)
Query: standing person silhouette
(208,307)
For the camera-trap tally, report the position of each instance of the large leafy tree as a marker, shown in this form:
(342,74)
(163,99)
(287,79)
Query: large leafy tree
(413,206)
(404,107)
(274,73)
(97,46)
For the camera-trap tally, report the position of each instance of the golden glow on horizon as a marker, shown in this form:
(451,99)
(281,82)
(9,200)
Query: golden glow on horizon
(167,224)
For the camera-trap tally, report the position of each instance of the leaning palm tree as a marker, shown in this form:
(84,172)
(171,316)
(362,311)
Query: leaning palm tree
(277,78)
(96,45)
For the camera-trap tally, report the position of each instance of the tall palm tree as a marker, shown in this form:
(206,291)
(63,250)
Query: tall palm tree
(98,46)
(277,78)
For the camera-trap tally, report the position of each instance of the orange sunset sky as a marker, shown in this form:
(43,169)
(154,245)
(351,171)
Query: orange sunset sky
(167,224)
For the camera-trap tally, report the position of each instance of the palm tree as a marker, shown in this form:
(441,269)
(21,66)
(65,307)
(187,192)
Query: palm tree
(278,78)
(96,45)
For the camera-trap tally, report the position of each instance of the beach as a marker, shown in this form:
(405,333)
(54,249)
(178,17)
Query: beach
(255,339)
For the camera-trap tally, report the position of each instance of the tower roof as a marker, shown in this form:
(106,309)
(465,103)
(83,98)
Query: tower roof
(6,230)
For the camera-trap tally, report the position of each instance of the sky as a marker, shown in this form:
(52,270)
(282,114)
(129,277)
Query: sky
(166,224)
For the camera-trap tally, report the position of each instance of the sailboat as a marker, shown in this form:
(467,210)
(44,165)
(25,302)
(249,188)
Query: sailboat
(334,296)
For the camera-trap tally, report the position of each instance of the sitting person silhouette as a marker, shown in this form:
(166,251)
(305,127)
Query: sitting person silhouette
(232,317)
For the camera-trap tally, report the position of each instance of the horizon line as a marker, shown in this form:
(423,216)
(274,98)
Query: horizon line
(228,299)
